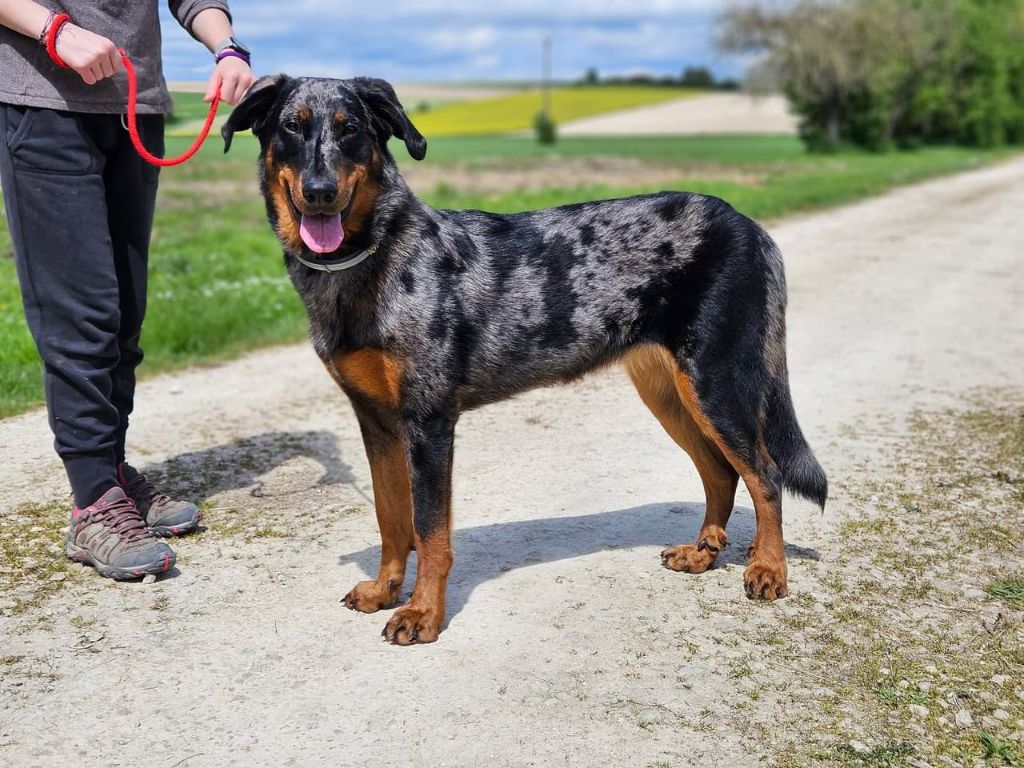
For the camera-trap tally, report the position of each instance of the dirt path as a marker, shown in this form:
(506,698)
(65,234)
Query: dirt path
(717,113)
(567,643)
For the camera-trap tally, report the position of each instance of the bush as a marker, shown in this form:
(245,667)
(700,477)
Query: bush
(545,129)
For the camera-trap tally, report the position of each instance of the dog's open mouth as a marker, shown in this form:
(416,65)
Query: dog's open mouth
(323,232)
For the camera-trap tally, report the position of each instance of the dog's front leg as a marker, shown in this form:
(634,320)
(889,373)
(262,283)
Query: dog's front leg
(389,467)
(429,445)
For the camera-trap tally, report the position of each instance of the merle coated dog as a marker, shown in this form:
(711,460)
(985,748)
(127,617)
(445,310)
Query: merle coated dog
(420,314)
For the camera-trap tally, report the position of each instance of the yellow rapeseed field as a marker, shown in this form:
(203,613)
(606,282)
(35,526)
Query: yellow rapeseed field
(515,112)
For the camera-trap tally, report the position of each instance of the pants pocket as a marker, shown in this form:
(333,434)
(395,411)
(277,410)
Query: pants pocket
(50,141)
(17,121)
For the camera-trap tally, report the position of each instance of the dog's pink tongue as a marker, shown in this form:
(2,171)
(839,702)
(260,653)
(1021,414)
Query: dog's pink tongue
(322,234)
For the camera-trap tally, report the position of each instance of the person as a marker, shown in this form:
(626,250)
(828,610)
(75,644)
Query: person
(80,205)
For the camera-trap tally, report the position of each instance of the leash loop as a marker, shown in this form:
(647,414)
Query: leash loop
(133,128)
(53,32)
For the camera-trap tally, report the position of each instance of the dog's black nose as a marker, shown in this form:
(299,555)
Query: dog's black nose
(320,192)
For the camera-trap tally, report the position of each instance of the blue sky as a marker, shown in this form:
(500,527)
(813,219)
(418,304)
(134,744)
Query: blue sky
(467,40)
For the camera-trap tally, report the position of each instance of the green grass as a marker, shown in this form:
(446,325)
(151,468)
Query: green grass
(515,112)
(1011,590)
(189,107)
(217,285)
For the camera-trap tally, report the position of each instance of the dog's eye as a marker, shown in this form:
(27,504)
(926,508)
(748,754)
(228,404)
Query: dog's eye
(349,129)
(292,126)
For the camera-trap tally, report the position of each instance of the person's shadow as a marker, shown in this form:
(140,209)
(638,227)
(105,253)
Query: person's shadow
(200,475)
(487,551)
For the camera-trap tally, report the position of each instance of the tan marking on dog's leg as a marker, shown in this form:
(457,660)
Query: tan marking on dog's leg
(392,495)
(420,621)
(766,576)
(652,370)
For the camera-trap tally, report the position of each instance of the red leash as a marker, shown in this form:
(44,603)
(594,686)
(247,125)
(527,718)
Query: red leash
(133,94)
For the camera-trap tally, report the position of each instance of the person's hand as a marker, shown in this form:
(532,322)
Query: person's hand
(232,77)
(92,56)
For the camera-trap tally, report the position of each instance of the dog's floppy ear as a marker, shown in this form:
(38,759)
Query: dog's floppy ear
(253,110)
(389,115)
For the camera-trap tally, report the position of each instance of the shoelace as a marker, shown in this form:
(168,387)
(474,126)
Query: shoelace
(120,517)
(141,489)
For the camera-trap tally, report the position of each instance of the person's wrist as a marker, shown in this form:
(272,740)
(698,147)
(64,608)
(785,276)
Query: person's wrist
(231,53)
(46,27)
(232,48)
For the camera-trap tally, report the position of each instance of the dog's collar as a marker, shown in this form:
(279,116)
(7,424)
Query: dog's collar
(339,265)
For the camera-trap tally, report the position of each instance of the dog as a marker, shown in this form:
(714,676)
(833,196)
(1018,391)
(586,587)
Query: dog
(421,314)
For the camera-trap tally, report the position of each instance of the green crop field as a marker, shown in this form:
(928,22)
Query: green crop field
(218,286)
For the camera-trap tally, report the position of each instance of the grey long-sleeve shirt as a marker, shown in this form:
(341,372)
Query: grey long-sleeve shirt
(29,78)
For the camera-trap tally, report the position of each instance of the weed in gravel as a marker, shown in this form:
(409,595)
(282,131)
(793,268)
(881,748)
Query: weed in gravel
(1010,590)
(32,562)
(893,755)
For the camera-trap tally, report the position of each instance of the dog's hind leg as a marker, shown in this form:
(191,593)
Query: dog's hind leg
(653,371)
(726,409)
(392,498)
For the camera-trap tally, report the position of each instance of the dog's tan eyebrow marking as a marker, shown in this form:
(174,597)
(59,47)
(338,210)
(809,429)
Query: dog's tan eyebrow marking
(305,114)
(340,117)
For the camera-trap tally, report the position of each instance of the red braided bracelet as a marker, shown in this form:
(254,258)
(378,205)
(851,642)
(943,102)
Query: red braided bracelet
(51,38)
(133,94)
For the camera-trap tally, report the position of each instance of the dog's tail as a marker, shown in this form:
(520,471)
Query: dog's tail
(801,472)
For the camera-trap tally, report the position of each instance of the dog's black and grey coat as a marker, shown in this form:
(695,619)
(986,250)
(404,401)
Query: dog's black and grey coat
(457,309)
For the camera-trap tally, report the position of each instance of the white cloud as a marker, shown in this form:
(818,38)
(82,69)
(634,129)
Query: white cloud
(476,38)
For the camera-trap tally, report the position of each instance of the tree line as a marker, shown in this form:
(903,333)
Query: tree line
(689,77)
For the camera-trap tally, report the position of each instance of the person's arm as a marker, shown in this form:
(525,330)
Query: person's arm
(211,27)
(93,57)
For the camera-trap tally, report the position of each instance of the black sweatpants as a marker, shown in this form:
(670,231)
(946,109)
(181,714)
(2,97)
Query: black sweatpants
(80,205)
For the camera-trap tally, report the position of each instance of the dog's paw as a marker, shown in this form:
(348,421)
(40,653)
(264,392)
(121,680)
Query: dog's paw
(695,558)
(766,580)
(412,625)
(371,596)
(688,558)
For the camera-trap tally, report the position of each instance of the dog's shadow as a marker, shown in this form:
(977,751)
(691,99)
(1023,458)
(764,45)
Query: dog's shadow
(487,551)
(201,475)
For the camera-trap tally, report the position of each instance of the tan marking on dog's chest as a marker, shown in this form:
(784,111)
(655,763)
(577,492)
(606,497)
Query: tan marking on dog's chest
(373,372)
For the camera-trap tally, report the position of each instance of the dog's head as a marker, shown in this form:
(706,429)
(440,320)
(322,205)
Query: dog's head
(323,145)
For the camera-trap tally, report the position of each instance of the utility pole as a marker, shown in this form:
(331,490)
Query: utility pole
(546,79)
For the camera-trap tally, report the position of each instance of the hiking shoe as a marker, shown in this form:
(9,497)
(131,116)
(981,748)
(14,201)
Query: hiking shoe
(163,515)
(111,536)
